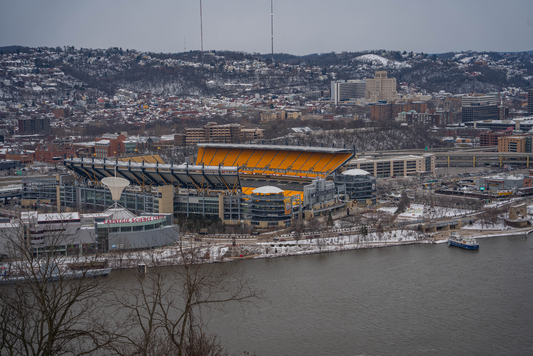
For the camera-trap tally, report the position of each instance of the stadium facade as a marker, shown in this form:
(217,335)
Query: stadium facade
(228,181)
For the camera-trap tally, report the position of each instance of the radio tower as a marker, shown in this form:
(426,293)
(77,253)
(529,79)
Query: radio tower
(201,31)
(272,27)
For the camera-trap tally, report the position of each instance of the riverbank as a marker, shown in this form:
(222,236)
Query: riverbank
(221,251)
(217,252)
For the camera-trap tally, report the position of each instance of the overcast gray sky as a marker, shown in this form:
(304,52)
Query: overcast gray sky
(300,26)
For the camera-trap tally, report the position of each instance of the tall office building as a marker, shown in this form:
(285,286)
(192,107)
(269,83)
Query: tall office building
(381,88)
(345,90)
(530,102)
(34,126)
(479,107)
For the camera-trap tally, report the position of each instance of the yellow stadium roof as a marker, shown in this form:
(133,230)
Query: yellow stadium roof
(296,161)
(146,159)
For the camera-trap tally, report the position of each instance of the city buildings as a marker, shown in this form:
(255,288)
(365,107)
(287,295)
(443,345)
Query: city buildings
(380,88)
(432,118)
(53,153)
(390,111)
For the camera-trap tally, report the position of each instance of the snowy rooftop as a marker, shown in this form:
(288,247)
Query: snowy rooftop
(355,172)
(504,177)
(267,189)
(120,213)
(277,147)
(58,217)
(385,158)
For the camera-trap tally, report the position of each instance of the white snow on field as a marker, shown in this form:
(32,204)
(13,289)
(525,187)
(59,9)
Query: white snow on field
(478,225)
(378,60)
(339,243)
(418,211)
(388,209)
(466,60)
(441,211)
(413,212)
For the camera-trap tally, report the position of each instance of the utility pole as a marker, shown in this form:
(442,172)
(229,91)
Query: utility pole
(272,27)
(201,32)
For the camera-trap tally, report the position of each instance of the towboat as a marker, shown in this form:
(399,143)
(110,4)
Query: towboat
(465,242)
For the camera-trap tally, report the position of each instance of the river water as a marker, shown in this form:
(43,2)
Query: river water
(404,300)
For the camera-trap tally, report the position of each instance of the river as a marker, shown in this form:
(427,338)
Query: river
(403,300)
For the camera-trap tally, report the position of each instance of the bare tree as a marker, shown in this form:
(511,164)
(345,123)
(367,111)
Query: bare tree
(47,308)
(165,306)
(404,202)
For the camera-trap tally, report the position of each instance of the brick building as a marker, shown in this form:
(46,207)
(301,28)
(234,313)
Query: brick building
(61,112)
(25,157)
(109,145)
(52,153)
(491,138)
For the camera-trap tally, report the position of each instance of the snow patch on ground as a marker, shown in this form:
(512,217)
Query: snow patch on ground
(378,60)
(419,211)
(500,225)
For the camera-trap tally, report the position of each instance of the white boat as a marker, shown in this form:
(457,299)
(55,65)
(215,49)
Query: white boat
(466,242)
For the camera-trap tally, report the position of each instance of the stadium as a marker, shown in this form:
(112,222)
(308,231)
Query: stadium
(256,185)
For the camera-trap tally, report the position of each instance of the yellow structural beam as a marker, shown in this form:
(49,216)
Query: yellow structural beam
(474,161)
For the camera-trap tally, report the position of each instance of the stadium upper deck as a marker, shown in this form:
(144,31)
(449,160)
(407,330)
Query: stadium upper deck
(270,160)
(199,177)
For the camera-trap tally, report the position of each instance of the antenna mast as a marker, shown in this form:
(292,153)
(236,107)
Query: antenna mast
(272,27)
(201,31)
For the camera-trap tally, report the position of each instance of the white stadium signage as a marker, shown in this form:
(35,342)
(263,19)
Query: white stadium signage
(134,220)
